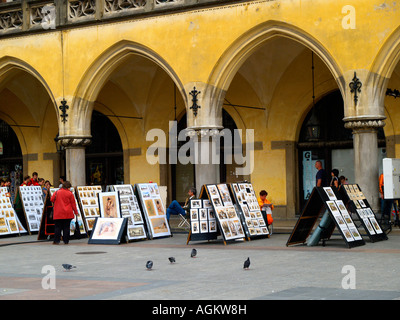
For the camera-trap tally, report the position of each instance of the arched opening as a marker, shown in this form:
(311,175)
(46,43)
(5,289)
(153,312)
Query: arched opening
(104,156)
(323,137)
(10,156)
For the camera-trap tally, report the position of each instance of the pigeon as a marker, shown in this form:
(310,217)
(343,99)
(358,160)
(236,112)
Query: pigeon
(149,265)
(171,259)
(246,264)
(193,253)
(67,266)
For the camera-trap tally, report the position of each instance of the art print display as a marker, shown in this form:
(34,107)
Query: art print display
(202,217)
(9,222)
(131,211)
(344,220)
(153,209)
(33,205)
(79,218)
(248,203)
(359,205)
(89,204)
(108,231)
(109,204)
(225,212)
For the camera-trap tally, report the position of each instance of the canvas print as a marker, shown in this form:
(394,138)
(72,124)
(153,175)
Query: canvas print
(109,204)
(108,230)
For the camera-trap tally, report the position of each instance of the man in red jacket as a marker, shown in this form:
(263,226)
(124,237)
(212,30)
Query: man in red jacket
(64,209)
(34,180)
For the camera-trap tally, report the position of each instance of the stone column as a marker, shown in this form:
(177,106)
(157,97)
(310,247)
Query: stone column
(366,166)
(75,158)
(206,157)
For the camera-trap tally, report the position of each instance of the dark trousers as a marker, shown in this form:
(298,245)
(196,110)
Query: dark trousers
(62,225)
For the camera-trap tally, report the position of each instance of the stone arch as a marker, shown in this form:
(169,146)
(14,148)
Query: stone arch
(244,46)
(99,71)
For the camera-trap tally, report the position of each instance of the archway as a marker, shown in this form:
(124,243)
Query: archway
(104,156)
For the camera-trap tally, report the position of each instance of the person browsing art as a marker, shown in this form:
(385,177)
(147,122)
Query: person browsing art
(266,206)
(64,209)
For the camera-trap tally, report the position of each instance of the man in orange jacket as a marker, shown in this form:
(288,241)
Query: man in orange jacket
(266,206)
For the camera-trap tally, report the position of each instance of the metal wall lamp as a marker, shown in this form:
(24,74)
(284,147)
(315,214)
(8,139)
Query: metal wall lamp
(194,93)
(355,86)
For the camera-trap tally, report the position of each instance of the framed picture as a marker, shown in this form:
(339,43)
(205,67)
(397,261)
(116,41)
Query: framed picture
(136,232)
(108,231)
(109,204)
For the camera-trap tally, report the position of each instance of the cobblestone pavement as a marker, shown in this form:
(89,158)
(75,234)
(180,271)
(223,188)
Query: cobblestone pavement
(277,272)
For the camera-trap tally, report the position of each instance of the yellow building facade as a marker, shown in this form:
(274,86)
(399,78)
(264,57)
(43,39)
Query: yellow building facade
(263,64)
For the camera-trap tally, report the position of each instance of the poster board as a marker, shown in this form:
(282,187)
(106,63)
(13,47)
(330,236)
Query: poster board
(9,222)
(89,204)
(228,221)
(109,204)
(32,205)
(153,209)
(246,200)
(321,199)
(391,178)
(108,231)
(203,223)
(130,209)
(358,204)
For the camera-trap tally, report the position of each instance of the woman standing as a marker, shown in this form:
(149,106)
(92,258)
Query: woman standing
(64,209)
(335,182)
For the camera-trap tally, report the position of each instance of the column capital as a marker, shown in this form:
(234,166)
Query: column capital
(357,123)
(75,141)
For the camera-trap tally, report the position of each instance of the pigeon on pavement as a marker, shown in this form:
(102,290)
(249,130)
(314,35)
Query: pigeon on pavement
(67,266)
(149,265)
(246,264)
(171,259)
(193,253)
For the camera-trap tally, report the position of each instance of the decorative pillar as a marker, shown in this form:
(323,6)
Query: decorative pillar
(75,158)
(366,166)
(206,157)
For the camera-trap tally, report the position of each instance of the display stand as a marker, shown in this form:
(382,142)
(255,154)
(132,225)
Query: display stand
(47,222)
(9,222)
(153,210)
(29,204)
(203,224)
(108,231)
(130,209)
(326,200)
(356,202)
(249,211)
(88,200)
(228,221)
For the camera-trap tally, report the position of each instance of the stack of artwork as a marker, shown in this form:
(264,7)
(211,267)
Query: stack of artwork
(225,212)
(153,209)
(89,204)
(32,202)
(248,203)
(130,209)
